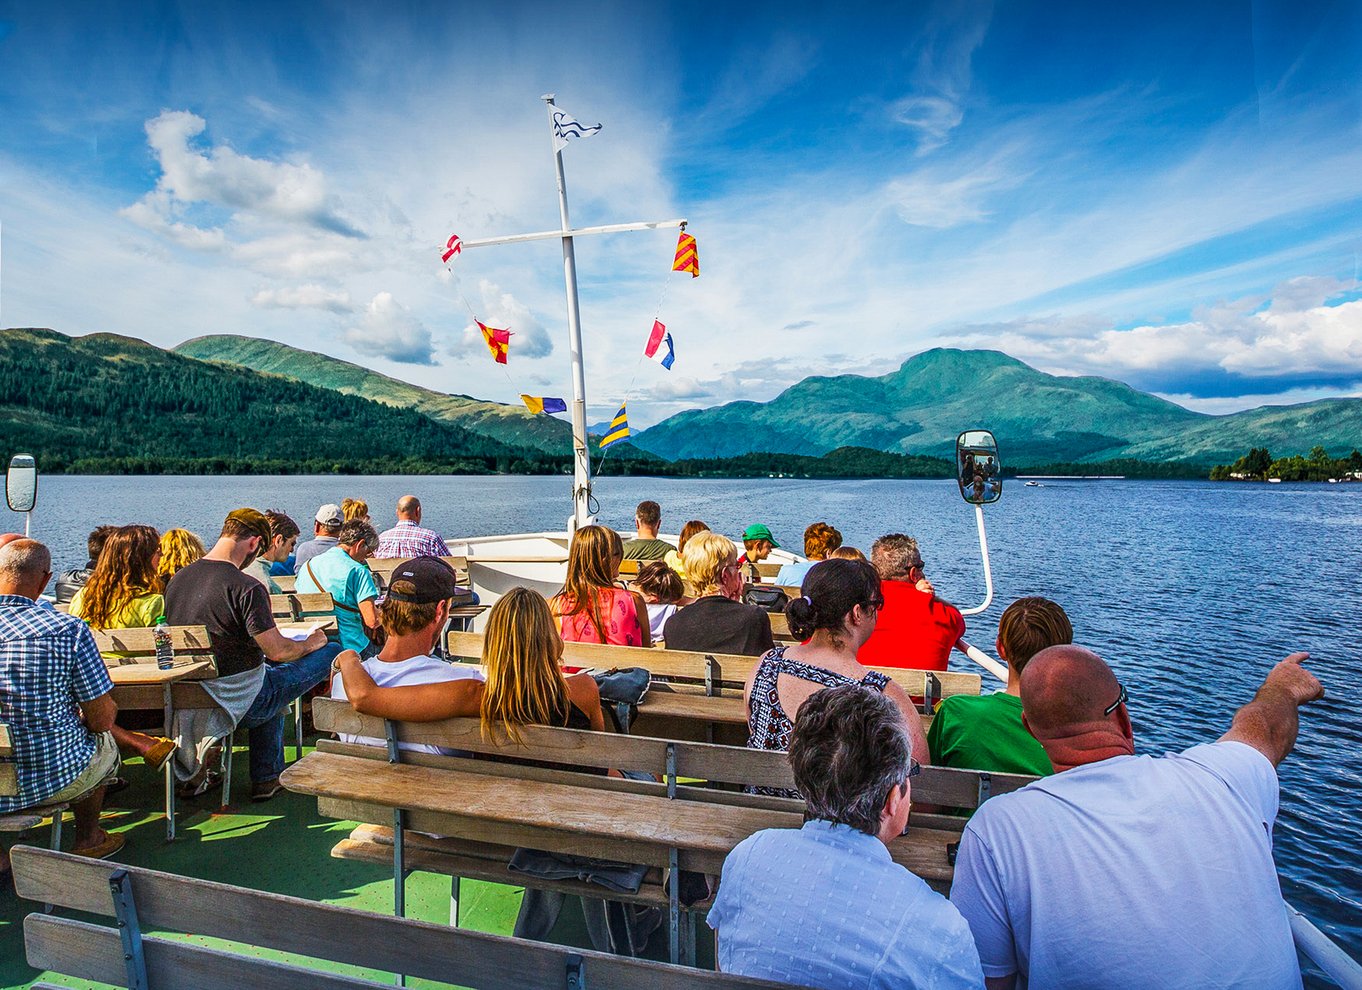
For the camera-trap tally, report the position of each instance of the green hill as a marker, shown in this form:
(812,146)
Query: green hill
(106,403)
(1037,418)
(507,424)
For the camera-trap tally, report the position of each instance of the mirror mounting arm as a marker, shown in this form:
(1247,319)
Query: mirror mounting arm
(988,567)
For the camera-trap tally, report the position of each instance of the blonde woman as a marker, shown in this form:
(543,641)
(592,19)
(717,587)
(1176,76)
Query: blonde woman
(591,608)
(353,508)
(718,621)
(673,557)
(179,549)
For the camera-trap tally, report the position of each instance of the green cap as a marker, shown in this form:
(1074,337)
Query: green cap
(759,531)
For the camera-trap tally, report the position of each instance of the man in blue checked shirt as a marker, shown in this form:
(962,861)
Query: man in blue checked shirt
(56,698)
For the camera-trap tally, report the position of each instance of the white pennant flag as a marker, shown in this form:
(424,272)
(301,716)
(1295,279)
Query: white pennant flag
(566,126)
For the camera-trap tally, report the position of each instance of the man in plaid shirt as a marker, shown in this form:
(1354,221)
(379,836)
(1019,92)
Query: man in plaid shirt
(409,538)
(56,698)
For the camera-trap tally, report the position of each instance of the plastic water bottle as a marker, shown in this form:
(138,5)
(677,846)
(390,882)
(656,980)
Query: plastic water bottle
(165,649)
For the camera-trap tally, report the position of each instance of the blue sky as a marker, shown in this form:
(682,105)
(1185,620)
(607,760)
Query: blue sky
(1167,194)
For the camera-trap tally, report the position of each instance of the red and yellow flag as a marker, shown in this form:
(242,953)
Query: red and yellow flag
(498,341)
(687,260)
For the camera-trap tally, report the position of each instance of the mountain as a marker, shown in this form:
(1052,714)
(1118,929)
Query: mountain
(106,403)
(508,424)
(1037,418)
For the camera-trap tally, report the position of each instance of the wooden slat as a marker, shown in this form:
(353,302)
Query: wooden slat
(94,952)
(729,671)
(289,924)
(6,744)
(9,780)
(142,641)
(150,697)
(312,603)
(145,671)
(288,583)
(386,565)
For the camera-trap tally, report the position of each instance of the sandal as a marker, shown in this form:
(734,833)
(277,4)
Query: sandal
(191,790)
(113,841)
(159,754)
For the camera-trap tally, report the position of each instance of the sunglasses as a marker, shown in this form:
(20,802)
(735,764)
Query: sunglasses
(1120,700)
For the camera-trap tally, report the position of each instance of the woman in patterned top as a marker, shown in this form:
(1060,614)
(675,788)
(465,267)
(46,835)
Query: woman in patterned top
(591,608)
(834,616)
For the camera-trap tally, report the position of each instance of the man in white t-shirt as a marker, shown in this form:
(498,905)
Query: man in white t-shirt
(413,616)
(1133,871)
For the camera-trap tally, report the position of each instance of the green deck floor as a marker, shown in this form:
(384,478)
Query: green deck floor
(281,846)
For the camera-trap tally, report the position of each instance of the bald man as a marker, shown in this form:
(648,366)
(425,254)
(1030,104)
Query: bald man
(1133,871)
(409,538)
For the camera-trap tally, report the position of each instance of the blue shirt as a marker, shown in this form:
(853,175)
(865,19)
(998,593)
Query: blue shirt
(826,906)
(48,664)
(348,582)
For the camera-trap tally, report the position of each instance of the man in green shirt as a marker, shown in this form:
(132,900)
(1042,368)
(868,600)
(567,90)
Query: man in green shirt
(646,546)
(986,733)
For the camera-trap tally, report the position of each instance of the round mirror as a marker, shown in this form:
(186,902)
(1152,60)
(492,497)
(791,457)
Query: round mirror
(21,483)
(977,468)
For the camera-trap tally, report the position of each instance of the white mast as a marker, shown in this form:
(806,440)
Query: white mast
(581,458)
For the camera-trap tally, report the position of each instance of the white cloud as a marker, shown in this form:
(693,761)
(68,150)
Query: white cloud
(1219,406)
(304,297)
(503,311)
(388,329)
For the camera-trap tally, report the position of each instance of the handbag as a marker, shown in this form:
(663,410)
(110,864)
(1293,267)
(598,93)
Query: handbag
(766,598)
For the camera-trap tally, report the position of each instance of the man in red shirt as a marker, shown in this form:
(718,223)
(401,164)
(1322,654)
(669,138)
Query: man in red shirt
(915,628)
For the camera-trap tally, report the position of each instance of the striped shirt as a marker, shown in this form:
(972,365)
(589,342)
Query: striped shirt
(407,540)
(48,665)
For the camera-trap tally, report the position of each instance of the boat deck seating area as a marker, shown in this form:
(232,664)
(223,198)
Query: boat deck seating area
(484,809)
(137,901)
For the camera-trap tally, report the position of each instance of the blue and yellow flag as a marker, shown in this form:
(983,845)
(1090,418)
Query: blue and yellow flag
(619,430)
(543,404)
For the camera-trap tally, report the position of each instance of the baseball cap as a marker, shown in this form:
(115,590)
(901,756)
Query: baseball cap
(759,531)
(254,520)
(330,515)
(433,578)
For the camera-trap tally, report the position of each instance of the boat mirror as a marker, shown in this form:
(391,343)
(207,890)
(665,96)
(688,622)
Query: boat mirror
(977,468)
(21,483)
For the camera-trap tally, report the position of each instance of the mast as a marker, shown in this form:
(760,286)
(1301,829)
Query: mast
(581,458)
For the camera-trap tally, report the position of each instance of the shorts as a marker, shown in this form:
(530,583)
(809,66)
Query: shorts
(103,765)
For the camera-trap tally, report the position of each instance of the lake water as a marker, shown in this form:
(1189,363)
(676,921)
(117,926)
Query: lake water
(1190,590)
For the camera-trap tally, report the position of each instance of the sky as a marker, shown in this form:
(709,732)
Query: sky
(1167,194)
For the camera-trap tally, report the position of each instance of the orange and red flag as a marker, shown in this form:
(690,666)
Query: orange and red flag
(687,260)
(498,341)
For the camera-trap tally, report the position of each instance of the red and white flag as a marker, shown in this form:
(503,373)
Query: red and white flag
(453,246)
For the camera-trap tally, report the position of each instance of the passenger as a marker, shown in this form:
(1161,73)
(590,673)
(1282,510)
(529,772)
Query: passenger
(409,538)
(825,905)
(846,553)
(916,629)
(69,582)
(326,528)
(833,618)
(179,549)
(57,701)
(121,595)
(974,732)
(353,509)
(718,621)
(413,614)
(283,538)
(1134,871)
(820,540)
(590,607)
(213,592)
(646,546)
(673,557)
(342,573)
(758,542)
(662,592)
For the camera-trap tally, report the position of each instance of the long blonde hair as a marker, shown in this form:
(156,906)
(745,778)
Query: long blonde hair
(353,508)
(124,571)
(521,650)
(179,548)
(593,562)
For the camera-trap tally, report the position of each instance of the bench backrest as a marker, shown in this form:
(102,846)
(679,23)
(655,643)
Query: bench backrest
(165,901)
(384,566)
(296,606)
(716,671)
(661,757)
(9,773)
(139,645)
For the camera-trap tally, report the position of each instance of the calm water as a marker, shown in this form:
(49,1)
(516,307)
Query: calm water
(1190,590)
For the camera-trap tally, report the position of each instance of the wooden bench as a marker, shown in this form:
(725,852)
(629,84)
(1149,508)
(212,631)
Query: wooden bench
(27,818)
(483,809)
(139,899)
(383,567)
(306,607)
(695,692)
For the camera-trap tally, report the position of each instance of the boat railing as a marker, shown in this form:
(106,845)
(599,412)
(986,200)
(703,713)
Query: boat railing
(1323,951)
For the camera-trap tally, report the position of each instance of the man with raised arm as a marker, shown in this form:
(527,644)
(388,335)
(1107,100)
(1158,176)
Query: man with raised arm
(826,905)
(56,700)
(250,692)
(646,546)
(1133,871)
(409,538)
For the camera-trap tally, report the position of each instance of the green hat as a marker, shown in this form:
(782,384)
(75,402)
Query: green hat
(759,531)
